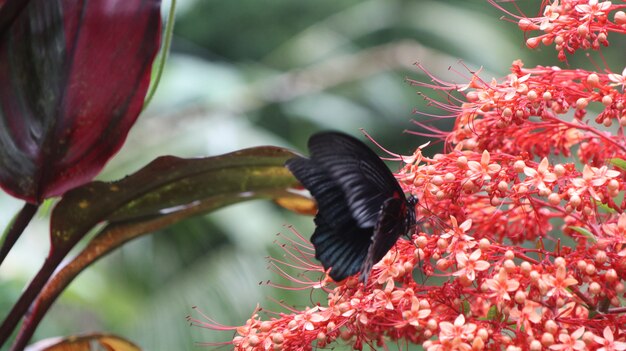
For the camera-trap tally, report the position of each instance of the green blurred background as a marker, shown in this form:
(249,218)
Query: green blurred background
(247,73)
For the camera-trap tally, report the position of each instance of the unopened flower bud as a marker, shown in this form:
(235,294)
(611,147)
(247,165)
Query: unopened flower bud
(421,241)
(620,17)
(590,269)
(554,199)
(547,96)
(526,267)
(547,339)
(526,25)
(595,288)
(593,80)
(432,324)
(588,337)
(520,297)
(559,169)
(610,275)
(551,326)
(575,201)
(484,244)
(461,162)
(581,103)
(559,262)
(532,43)
(253,340)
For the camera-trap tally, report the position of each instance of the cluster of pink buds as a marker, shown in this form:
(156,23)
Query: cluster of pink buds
(522,244)
(572,24)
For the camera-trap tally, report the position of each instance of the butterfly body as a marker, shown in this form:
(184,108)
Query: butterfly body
(362,210)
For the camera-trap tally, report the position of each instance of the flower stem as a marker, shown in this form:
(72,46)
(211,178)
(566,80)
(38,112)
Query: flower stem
(24,302)
(167,42)
(16,228)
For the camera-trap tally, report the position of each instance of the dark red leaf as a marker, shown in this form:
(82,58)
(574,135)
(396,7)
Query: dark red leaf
(9,10)
(73,77)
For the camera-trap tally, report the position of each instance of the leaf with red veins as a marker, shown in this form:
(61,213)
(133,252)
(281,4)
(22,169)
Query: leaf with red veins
(540,176)
(470,264)
(73,77)
(608,341)
(559,281)
(483,170)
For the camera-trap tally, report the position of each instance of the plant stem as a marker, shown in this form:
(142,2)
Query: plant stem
(167,42)
(110,238)
(16,228)
(31,292)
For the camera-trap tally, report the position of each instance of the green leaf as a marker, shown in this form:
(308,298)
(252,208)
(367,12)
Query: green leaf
(90,342)
(604,207)
(618,162)
(170,184)
(586,233)
(466,307)
(492,313)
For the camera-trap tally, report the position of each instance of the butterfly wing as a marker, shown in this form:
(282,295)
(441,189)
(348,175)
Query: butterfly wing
(364,178)
(342,249)
(331,202)
(394,220)
(339,242)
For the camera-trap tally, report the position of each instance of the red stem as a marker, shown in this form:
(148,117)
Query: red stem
(17,228)
(27,298)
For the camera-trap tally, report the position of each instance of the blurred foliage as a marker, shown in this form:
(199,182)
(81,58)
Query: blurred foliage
(247,73)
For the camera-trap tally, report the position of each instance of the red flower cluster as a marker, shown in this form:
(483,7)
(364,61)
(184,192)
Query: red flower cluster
(572,24)
(527,253)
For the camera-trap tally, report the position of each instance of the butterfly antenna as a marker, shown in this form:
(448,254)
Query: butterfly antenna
(311,297)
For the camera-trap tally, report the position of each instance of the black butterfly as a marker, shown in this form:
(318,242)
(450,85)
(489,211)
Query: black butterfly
(362,211)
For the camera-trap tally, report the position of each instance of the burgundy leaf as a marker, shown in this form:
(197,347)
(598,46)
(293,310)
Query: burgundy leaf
(9,9)
(73,77)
